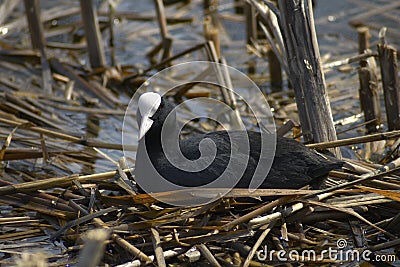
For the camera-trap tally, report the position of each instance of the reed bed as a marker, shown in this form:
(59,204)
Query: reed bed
(67,195)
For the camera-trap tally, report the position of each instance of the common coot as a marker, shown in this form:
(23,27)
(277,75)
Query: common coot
(294,165)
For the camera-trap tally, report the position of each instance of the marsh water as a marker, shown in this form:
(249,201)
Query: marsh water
(133,39)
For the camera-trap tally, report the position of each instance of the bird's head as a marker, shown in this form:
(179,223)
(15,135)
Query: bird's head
(152,111)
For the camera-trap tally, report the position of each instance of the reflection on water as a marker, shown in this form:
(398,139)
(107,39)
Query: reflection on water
(133,39)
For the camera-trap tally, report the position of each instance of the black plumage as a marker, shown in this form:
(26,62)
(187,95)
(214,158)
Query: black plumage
(294,165)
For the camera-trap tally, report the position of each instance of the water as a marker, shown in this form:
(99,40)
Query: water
(337,40)
(133,39)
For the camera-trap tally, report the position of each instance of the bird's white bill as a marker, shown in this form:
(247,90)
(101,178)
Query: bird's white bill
(147,106)
(144,126)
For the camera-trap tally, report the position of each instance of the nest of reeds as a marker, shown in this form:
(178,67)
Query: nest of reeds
(68,197)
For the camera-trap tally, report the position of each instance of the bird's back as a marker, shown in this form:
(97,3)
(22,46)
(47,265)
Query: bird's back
(294,165)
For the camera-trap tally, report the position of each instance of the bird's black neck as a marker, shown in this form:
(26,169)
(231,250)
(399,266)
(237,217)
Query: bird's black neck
(154,138)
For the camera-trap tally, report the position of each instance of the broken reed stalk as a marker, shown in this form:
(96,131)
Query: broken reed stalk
(275,70)
(211,33)
(111,17)
(32,116)
(162,23)
(305,71)
(166,40)
(167,255)
(353,214)
(251,32)
(367,54)
(369,98)
(67,71)
(356,140)
(77,140)
(43,199)
(258,243)
(270,25)
(273,55)
(235,118)
(213,56)
(391,85)
(32,9)
(93,249)
(369,87)
(363,42)
(93,35)
(55,182)
(46,73)
(259,221)
(86,218)
(221,72)
(123,181)
(257,212)
(134,251)
(34,205)
(274,49)
(158,251)
(387,169)
(41,130)
(251,23)
(211,193)
(284,129)
(208,255)
(131,249)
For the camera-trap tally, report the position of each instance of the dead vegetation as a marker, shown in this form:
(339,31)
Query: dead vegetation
(62,173)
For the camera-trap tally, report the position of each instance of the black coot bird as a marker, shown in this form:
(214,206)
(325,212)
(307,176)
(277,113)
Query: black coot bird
(294,165)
